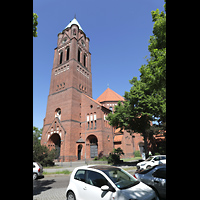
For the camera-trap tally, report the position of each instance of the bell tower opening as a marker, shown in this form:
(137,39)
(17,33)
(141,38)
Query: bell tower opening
(58,113)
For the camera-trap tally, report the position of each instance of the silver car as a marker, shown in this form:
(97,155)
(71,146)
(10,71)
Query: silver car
(37,170)
(154,177)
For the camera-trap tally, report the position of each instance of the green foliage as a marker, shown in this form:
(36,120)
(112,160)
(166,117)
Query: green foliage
(36,135)
(95,158)
(137,154)
(103,158)
(114,156)
(41,153)
(146,100)
(58,172)
(35,23)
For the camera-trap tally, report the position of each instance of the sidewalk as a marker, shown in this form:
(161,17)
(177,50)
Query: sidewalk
(71,165)
(65,166)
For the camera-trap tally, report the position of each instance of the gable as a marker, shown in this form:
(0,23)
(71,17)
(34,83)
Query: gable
(55,127)
(109,95)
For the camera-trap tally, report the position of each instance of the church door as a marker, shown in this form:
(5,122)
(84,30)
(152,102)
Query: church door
(79,151)
(93,151)
(93,147)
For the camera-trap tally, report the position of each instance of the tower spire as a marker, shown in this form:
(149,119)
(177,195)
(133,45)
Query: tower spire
(75,16)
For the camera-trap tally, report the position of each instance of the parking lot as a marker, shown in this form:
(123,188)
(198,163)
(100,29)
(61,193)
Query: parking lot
(50,187)
(54,186)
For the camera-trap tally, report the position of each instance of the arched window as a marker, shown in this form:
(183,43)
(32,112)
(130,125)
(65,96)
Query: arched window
(67,56)
(61,55)
(79,55)
(58,113)
(84,61)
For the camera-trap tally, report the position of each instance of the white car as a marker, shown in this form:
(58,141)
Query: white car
(37,170)
(152,161)
(106,183)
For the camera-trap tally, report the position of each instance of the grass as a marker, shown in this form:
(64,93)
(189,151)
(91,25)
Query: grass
(58,172)
(52,167)
(129,168)
(131,159)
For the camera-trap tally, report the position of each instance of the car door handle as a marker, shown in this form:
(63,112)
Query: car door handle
(85,188)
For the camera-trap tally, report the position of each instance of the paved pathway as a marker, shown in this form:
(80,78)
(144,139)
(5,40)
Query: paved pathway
(55,194)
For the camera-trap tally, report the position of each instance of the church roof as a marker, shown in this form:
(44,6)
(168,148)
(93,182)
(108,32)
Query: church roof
(109,95)
(118,138)
(74,21)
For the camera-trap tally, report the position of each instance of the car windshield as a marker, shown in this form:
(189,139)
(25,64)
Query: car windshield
(120,178)
(149,158)
(144,171)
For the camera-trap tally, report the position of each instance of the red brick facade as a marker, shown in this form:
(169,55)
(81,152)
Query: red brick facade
(75,123)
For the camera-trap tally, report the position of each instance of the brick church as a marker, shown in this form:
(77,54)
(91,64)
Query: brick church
(75,124)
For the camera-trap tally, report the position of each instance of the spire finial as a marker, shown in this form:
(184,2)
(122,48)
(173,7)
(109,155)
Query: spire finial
(108,85)
(75,16)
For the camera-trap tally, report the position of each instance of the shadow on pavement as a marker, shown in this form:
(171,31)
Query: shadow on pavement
(41,185)
(133,163)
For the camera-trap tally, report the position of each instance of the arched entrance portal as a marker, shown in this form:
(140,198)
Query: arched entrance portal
(92,139)
(80,146)
(54,143)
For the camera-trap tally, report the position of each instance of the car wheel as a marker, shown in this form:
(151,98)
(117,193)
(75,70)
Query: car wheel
(148,166)
(71,196)
(35,176)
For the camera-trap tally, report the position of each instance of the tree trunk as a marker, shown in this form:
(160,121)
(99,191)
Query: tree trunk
(145,144)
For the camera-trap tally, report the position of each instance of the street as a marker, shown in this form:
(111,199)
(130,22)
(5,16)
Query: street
(50,187)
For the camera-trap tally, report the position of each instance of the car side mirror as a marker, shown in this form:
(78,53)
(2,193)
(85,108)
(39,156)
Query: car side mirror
(105,188)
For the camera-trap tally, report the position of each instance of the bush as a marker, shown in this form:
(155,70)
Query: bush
(95,158)
(103,158)
(43,155)
(137,154)
(114,156)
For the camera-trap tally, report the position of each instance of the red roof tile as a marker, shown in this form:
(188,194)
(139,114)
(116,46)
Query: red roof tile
(109,95)
(118,138)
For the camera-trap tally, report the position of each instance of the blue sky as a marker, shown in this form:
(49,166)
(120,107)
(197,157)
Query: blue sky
(119,32)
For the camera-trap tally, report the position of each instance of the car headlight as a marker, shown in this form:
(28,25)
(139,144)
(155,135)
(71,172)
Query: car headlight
(143,164)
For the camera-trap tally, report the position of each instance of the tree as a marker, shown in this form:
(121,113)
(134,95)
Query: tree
(35,23)
(41,153)
(154,73)
(146,100)
(37,135)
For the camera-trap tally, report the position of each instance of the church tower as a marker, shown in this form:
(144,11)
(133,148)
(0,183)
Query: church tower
(72,59)
(70,78)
